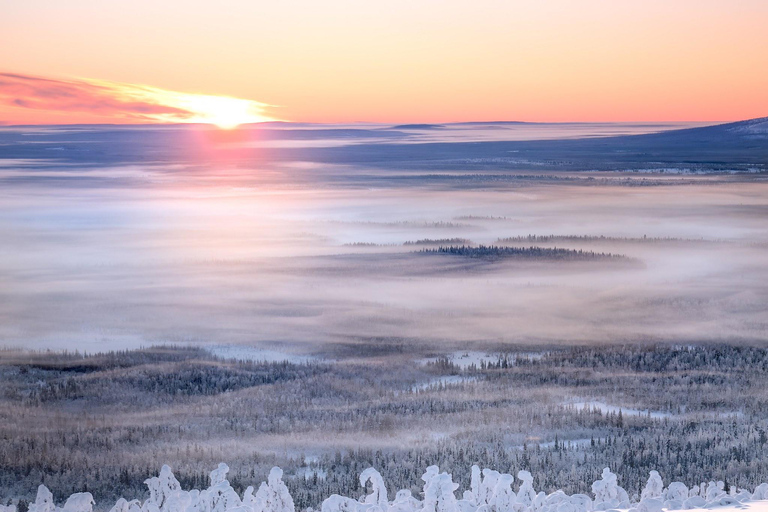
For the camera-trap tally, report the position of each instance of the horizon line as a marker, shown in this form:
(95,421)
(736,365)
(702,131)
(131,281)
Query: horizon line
(379,123)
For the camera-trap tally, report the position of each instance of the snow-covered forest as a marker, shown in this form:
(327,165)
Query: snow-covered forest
(102,423)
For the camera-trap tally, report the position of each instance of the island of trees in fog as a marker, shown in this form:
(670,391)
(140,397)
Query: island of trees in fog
(496,252)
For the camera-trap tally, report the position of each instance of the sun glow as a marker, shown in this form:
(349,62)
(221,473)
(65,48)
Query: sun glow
(223,111)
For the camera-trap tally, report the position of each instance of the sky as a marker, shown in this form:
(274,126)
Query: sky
(393,61)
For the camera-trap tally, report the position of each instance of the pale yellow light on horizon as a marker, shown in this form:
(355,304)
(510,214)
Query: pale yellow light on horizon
(222,111)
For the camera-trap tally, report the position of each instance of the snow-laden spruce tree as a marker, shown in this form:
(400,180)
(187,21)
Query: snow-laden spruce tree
(273,496)
(654,487)
(378,494)
(336,503)
(714,490)
(43,502)
(504,497)
(430,472)
(439,494)
(488,485)
(761,492)
(608,493)
(79,502)
(526,494)
(162,488)
(554,502)
(219,497)
(473,495)
(124,505)
(404,502)
(581,502)
(676,492)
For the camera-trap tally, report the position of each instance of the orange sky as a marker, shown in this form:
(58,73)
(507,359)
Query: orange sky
(394,60)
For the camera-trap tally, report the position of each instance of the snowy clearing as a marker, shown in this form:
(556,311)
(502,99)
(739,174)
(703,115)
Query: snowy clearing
(606,408)
(613,409)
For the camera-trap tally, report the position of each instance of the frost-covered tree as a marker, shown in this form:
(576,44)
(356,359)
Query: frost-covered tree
(273,496)
(715,490)
(336,503)
(488,485)
(79,502)
(378,494)
(581,502)
(608,493)
(219,497)
(526,494)
(162,487)
(677,491)
(504,497)
(428,475)
(553,502)
(475,485)
(43,502)
(761,492)
(404,502)
(654,487)
(439,494)
(123,505)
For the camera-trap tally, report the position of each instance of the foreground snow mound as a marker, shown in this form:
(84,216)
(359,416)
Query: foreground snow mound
(490,491)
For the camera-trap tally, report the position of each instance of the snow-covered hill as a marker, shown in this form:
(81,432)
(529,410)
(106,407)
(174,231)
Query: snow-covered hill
(753,128)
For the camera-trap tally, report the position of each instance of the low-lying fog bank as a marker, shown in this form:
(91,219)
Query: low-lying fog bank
(99,268)
(127,237)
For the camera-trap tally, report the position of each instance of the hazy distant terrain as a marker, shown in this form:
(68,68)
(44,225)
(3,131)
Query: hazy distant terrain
(304,236)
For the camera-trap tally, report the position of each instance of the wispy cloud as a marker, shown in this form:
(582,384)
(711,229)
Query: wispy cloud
(127,102)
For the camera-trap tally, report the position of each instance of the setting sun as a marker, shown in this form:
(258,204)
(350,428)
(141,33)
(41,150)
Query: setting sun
(224,112)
